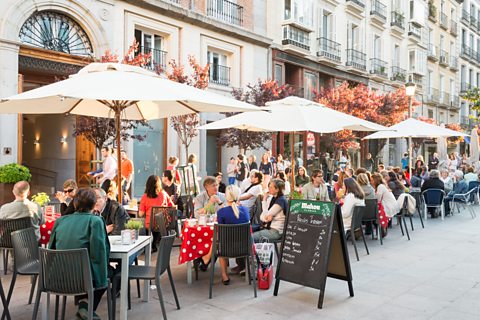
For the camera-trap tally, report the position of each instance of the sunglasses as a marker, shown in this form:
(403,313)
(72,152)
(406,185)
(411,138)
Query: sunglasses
(68,190)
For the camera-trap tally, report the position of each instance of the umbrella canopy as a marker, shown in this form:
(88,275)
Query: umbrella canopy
(474,152)
(294,114)
(122,92)
(412,128)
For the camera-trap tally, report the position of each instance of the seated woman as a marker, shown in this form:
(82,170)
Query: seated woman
(82,229)
(364,183)
(354,196)
(302,178)
(395,185)
(386,198)
(232,213)
(154,196)
(282,176)
(273,214)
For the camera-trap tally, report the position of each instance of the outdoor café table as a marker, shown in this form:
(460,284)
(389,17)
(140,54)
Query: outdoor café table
(131,210)
(196,242)
(46,228)
(124,252)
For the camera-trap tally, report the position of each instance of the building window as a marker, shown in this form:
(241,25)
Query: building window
(219,70)
(57,32)
(278,76)
(310,85)
(150,43)
(300,11)
(430,113)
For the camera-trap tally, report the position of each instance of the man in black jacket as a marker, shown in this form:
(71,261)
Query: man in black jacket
(433,182)
(114,214)
(69,190)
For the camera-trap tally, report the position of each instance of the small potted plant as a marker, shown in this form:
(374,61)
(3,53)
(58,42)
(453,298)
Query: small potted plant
(41,198)
(296,194)
(9,175)
(134,226)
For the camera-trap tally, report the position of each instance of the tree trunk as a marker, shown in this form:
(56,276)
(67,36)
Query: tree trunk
(186,153)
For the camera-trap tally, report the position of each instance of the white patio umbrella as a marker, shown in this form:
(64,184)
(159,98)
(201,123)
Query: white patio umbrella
(293,114)
(123,92)
(474,152)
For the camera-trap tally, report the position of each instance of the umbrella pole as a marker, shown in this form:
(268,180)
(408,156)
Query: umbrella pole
(292,153)
(410,157)
(119,160)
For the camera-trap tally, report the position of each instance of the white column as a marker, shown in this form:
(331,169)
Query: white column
(8,86)
(386,156)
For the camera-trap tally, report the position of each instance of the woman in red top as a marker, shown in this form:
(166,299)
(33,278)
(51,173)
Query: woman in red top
(154,196)
(172,165)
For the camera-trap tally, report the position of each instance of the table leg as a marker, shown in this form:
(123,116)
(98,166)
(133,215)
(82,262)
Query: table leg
(189,272)
(148,257)
(46,307)
(123,289)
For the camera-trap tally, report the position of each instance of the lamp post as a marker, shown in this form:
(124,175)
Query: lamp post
(410,92)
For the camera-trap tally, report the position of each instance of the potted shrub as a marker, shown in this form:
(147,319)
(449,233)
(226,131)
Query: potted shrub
(134,226)
(41,198)
(9,175)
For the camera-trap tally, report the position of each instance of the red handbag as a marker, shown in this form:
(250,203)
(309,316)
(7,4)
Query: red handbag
(382,216)
(264,273)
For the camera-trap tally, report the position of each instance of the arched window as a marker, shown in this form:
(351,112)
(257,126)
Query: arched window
(54,31)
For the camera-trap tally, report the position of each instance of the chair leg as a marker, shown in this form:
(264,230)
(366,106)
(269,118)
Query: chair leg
(411,221)
(405,224)
(114,296)
(212,273)
(421,219)
(364,242)
(6,312)
(253,275)
(12,285)
(5,261)
(90,305)
(169,272)
(37,303)
(64,306)
(57,302)
(160,297)
(399,220)
(138,280)
(352,235)
(32,290)
(129,298)
(109,301)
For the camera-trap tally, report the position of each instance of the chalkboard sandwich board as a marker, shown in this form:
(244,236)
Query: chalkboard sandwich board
(311,236)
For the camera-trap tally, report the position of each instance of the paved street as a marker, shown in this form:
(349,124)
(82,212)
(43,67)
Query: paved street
(436,275)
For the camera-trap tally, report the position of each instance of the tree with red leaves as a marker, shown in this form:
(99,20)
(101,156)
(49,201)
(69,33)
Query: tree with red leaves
(257,94)
(186,125)
(101,130)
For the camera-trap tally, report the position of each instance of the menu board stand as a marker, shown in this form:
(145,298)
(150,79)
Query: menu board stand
(313,247)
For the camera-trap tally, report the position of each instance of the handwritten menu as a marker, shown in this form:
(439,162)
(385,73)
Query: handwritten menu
(306,242)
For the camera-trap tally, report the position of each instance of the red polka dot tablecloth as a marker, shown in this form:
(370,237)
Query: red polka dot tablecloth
(196,242)
(46,228)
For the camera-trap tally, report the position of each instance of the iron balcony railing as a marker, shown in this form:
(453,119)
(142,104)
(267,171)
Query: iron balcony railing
(398,20)
(158,58)
(443,20)
(219,74)
(473,55)
(432,52)
(356,59)
(417,79)
(443,58)
(360,3)
(329,49)
(433,95)
(466,51)
(225,11)
(465,16)
(453,27)
(379,9)
(414,30)
(473,22)
(453,62)
(454,101)
(398,74)
(296,37)
(464,87)
(378,67)
(444,98)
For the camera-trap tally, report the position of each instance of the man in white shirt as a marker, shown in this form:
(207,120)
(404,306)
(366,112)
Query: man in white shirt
(248,198)
(109,167)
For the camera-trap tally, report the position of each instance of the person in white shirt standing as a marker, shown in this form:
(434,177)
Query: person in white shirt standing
(109,167)
(231,170)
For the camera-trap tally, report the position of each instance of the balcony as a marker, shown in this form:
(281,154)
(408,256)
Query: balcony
(378,12)
(329,51)
(432,12)
(158,58)
(432,53)
(399,74)
(356,6)
(432,96)
(453,63)
(414,31)
(417,79)
(397,22)
(453,28)
(443,61)
(464,87)
(465,17)
(454,102)
(443,21)
(465,52)
(444,99)
(473,22)
(225,11)
(356,59)
(378,68)
(295,38)
(219,75)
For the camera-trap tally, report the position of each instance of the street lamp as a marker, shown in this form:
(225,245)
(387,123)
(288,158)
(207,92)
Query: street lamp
(410,92)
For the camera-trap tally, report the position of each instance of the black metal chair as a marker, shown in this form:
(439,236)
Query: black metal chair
(370,216)
(66,273)
(4,301)
(419,204)
(434,198)
(154,273)
(25,258)
(401,218)
(357,218)
(170,222)
(233,241)
(7,226)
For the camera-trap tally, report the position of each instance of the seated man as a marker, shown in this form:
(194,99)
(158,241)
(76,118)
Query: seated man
(248,198)
(114,214)
(471,175)
(65,197)
(21,207)
(316,189)
(433,182)
(85,230)
(209,197)
(459,187)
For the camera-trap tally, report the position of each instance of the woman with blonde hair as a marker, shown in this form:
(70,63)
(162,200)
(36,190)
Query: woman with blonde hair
(266,168)
(232,213)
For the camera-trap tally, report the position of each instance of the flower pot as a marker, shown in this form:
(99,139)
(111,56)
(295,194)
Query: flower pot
(6,194)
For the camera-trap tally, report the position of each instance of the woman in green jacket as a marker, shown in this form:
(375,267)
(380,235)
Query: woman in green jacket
(85,230)
(302,178)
